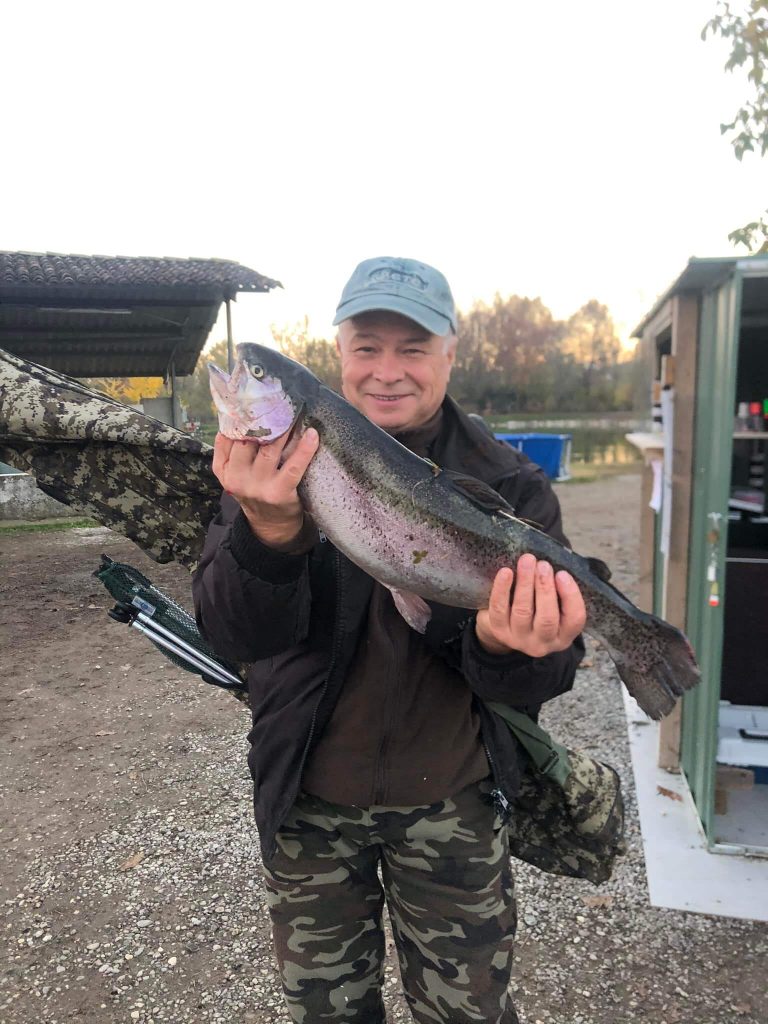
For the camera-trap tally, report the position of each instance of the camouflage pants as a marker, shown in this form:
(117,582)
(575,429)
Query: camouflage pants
(449,889)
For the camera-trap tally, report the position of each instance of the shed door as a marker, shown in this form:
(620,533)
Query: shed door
(714,415)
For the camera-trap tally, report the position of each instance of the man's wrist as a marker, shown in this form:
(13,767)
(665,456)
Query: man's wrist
(488,643)
(278,536)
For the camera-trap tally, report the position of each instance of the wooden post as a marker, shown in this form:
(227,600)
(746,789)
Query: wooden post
(647,540)
(174,417)
(680,368)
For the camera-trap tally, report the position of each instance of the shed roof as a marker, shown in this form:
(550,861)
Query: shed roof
(701,275)
(105,316)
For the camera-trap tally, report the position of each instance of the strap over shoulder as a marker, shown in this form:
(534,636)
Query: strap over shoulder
(549,756)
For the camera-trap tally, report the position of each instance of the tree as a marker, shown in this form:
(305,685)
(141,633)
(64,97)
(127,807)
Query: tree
(129,390)
(317,354)
(590,338)
(194,391)
(748,35)
(506,356)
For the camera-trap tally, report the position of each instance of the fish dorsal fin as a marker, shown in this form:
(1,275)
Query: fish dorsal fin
(599,568)
(528,522)
(481,495)
(436,470)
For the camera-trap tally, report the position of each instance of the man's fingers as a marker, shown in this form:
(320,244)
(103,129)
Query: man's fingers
(222,446)
(523,600)
(573,612)
(271,453)
(295,466)
(498,602)
(546,621)
(242,456)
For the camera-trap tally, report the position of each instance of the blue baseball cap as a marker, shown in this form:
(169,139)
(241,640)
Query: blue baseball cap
(403,286)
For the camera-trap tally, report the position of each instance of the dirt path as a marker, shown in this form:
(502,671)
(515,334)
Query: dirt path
(130,875)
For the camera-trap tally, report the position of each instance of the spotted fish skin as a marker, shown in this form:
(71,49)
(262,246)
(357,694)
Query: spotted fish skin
(429,535)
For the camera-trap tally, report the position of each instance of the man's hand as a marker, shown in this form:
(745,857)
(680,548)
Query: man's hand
(546,614)
(266,490)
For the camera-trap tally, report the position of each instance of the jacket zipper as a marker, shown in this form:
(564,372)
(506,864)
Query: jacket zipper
(500,802)
(335,646)
(380,792)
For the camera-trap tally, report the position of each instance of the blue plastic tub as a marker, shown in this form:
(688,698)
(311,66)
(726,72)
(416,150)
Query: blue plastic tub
(550,451)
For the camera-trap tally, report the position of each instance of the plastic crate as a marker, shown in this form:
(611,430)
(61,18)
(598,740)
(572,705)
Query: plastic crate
(550,451)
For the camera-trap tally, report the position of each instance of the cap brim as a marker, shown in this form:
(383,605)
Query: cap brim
(425,316)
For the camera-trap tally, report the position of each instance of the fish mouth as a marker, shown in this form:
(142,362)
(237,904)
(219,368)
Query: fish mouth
(255,410)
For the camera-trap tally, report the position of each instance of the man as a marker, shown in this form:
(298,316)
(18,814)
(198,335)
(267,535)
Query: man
(371,747)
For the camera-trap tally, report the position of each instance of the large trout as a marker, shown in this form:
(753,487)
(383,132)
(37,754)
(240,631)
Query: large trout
(426,533)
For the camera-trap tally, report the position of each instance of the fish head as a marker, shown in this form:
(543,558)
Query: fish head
(251,402)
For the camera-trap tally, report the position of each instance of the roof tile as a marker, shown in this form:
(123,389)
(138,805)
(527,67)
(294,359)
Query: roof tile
(60,269)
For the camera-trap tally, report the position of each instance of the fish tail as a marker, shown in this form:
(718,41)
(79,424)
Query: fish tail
(658,668)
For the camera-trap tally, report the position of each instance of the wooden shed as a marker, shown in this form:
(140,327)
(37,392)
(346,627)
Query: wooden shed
(704,526)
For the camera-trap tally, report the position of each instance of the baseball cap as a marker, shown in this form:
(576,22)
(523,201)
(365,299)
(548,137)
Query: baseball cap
(403,286)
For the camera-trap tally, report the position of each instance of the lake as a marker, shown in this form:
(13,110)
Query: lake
(598,441)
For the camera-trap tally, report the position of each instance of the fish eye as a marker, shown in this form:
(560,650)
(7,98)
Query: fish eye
(257,371)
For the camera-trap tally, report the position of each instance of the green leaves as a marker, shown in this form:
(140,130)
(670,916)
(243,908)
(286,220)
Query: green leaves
(748,33)
(753,236)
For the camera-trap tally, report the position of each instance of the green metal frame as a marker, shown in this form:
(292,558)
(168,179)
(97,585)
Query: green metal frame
(715,397)
(658,568)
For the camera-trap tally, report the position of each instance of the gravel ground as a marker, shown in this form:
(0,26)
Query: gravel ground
(131,877)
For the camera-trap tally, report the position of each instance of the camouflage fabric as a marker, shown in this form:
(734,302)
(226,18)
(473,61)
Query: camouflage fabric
(449,889)
(568,816)
(134,474)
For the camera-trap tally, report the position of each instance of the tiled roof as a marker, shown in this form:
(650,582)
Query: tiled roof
(59,270)
(115,316)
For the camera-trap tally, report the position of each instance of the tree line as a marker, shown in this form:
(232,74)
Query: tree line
(513,356)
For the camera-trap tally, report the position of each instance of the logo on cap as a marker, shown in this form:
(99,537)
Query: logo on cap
(383,274)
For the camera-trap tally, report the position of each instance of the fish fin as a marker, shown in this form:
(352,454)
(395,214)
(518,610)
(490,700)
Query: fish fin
(479,493)
(599,568)
(522,519)
(661,670)
(413,608)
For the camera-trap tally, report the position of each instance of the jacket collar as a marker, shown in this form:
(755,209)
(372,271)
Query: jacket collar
(462,445)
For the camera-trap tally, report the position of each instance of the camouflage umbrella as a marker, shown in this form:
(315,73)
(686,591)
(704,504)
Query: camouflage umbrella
(134,474)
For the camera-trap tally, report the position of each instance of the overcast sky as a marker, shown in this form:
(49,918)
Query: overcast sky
(562,150)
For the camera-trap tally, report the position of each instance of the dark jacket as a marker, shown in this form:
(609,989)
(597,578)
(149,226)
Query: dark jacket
(297,620)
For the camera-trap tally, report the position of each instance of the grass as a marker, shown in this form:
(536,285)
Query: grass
(46,525)
(588,472)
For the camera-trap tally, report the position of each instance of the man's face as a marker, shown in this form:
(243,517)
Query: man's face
(393,370)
